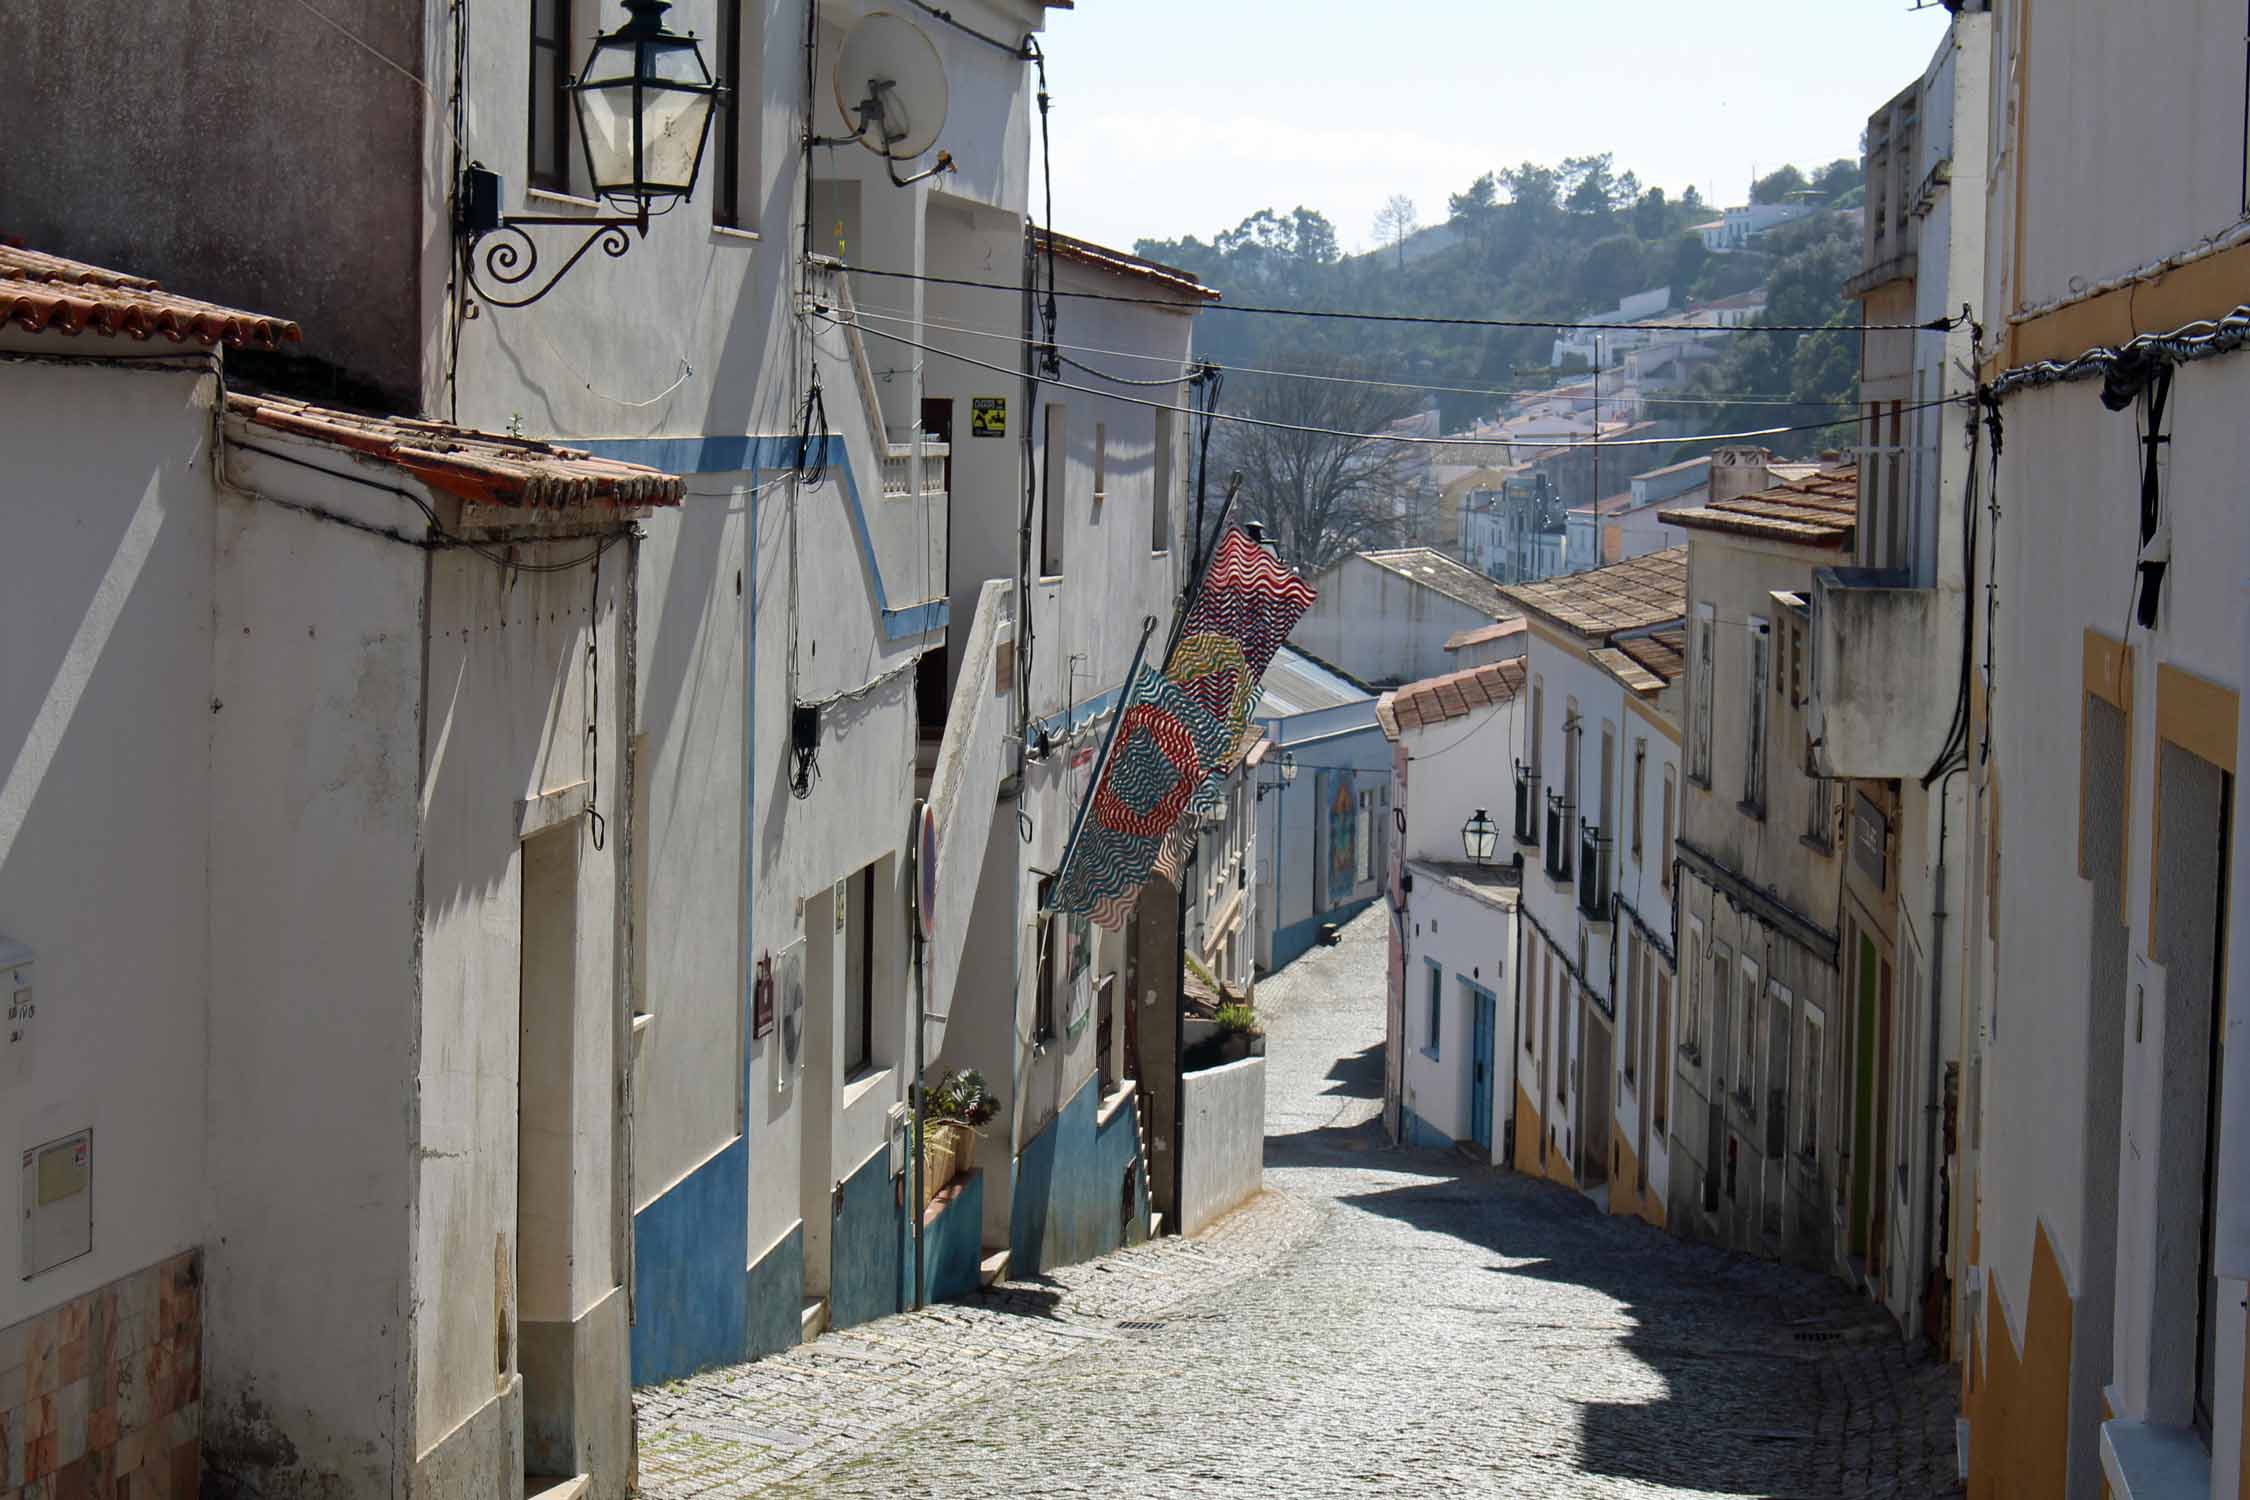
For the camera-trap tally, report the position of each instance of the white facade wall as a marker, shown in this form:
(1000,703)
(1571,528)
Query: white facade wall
(1292,839)
(105,737)
(1464,935)
(1223,1136)
(1379,627)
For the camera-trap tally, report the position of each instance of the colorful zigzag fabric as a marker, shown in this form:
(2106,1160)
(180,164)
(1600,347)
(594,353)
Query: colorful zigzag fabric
(1182,732)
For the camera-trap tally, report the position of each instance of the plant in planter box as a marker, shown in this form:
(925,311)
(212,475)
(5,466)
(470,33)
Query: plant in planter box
(955,1112)
(1237,1019)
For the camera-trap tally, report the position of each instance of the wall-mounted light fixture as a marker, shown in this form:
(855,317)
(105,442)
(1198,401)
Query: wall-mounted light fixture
(1288,774)
(644,103)
(1479,836)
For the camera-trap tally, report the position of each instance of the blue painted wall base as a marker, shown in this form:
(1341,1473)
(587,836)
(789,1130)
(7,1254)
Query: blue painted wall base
(1420,1132)
(871,1266)
(1070,1202)
(952,1232)
(690,1292)
(777,1297)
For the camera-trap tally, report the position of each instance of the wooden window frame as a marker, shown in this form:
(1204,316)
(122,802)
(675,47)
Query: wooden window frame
(556,98)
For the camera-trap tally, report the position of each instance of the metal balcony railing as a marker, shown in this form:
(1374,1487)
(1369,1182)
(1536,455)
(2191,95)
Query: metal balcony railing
(1593,873)
(1558,838)
(1527,805)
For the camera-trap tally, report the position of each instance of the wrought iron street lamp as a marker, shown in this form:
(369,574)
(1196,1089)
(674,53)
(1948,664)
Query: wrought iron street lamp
(644,103)
(1479,837)
(1288,774)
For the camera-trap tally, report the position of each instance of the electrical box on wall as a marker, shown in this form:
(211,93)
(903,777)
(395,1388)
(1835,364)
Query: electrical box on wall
(58,1202)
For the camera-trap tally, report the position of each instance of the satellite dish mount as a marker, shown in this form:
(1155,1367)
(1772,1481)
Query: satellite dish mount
(891,88)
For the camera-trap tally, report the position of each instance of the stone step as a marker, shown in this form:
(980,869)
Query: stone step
(812,1319)
(994,1268)
(557,1487)
(1155,1224)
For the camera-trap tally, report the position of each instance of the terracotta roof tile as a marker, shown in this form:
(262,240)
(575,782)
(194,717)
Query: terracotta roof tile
(40,291)
(1477,635)
(481,468)
(1631,595)
(1435,700)
(1820,509)
(1123,263)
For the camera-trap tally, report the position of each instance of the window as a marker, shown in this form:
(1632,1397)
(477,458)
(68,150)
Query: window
(1745,1038)
(1820,806)
(1660,1061)
(1054,502)
(1799,649)
(1691,995)
(1160,496)
(1437,1006)
(1558,1032)
(1699,707)
(859,971)
(1719,996)
(1538,721)
(1760,642)
(1810,1030)
(734,132)
(1635,954)
(1640,792)
(1043,996)
(1778,1035)
(1538,978)
(549,140)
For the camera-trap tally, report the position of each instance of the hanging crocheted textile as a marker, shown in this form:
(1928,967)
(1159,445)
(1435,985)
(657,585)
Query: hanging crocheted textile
(1181,733)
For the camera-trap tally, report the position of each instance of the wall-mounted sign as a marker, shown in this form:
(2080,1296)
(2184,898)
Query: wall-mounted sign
(761,998)
(789,1008)
(988,416)
(1871,833)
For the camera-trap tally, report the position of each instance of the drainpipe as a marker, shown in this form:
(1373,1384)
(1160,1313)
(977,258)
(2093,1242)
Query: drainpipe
(915,1204)
(1935,1107)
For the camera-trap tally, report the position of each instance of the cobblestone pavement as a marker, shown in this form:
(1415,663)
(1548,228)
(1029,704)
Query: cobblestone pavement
(1396,1321)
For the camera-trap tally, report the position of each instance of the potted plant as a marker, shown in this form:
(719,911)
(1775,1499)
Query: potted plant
(954,1113)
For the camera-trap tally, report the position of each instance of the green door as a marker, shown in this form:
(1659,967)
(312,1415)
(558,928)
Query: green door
(1863,1105)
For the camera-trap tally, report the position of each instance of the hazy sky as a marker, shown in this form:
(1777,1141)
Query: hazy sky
(1177,117)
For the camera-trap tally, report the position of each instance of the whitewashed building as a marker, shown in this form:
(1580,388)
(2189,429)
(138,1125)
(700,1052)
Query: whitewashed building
(2106,1098)
(1384,617)
(1591,825)
(1452,1004)
(312,875)
(1322,805)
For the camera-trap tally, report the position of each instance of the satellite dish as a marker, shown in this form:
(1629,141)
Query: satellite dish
(891,87)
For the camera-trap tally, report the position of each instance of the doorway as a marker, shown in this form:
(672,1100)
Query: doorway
(933,681)
(546,1017)
(1481,1010)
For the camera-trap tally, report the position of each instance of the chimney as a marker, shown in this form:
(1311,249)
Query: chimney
(1736,472)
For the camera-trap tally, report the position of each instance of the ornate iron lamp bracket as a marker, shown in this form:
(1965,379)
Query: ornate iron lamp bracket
(503,250)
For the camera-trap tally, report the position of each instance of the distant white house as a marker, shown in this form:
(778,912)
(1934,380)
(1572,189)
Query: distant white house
(1746,222)
(1323,797)
(1384,617)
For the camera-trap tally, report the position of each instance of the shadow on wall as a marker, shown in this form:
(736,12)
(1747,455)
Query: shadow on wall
(1716,1329)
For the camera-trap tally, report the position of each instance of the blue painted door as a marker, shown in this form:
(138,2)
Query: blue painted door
(1480,1069)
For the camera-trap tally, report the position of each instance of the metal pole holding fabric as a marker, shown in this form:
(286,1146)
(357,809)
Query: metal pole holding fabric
(1101,761)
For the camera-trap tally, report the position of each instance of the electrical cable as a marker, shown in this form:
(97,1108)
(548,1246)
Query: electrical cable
(897,315)
(1380,437)
(2201,338)
(1021,53)
(1935,325)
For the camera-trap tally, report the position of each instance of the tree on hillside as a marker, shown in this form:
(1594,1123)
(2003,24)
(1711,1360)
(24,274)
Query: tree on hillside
(1775,187)
(1589,185)
(1394,221)
(1611,270)
(1652,215)
(1838,178)
(1819,369)
(1320,496)
(1478,203)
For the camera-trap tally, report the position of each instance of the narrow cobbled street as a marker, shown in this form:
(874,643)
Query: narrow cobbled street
(1379,1321)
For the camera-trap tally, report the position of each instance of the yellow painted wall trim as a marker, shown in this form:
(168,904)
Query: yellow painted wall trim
(2209,288)
(1661,724)
(2109,677)
(2199,716)
(1574,644)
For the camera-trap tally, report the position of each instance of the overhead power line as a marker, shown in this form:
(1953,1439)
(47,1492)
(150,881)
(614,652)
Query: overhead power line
(1187,372)
(1935,325)
(1371,437)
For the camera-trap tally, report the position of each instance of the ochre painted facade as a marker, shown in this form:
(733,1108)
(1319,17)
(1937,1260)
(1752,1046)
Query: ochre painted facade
(2019,1405)
(1626,1195)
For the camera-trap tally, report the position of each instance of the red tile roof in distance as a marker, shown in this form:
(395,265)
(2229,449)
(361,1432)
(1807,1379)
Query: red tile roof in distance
(1456,695)
(1630,595)
(40,292)
(480,468)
